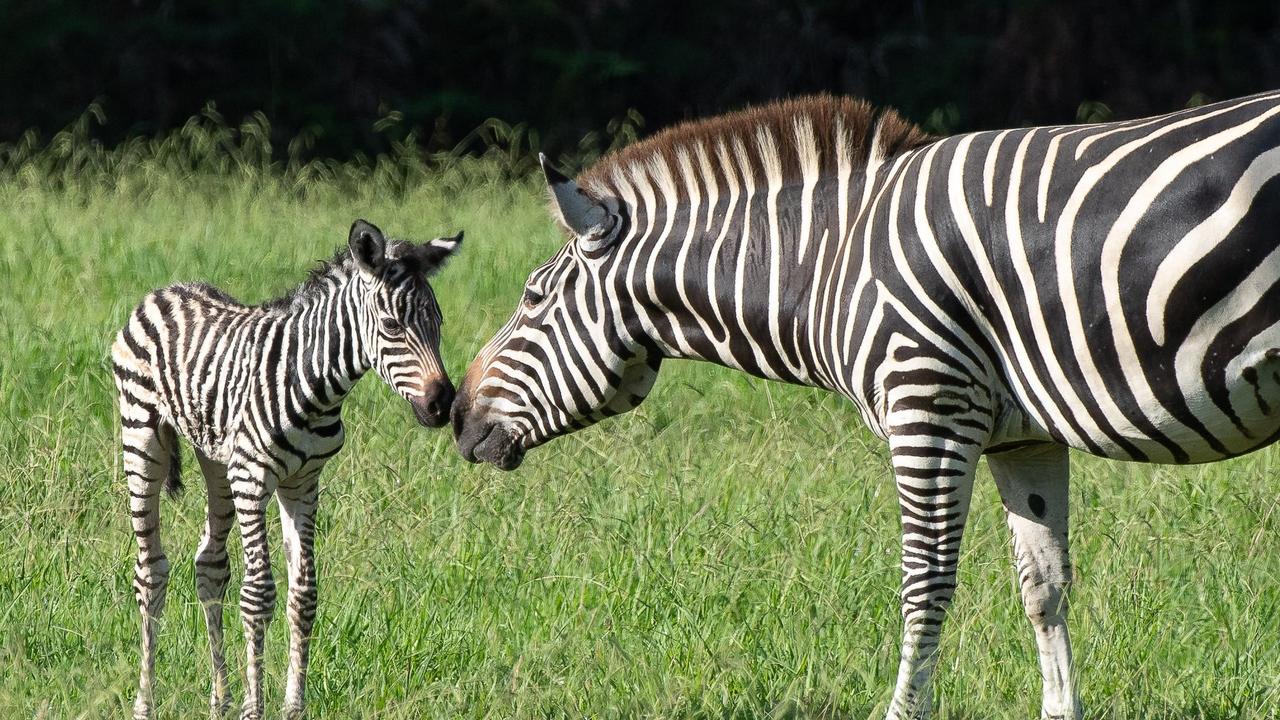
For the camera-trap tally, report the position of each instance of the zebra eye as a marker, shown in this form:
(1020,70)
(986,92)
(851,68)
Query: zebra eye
(532,297)
(391,325)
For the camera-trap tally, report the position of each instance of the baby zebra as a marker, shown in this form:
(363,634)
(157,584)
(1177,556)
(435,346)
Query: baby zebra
(258,392)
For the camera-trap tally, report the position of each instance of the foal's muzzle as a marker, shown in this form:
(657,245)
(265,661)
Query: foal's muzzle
(432,407)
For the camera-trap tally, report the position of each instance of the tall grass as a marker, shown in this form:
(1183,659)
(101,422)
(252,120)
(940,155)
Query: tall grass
(729,550)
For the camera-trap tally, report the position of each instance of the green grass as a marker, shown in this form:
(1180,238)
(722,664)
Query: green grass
(729,550)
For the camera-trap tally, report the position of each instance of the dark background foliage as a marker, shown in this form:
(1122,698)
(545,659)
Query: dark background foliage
(332,69)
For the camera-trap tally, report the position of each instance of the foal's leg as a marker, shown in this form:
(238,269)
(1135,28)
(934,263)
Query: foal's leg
(212,573)
(297,521)
(252,485)
(1034,486)
(148,452)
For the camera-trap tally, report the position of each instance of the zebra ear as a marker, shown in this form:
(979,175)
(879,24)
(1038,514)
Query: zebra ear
(432,255)
(578,211)
(368,246)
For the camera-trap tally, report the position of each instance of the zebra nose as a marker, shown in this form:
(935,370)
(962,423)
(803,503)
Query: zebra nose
(461,405)
(432,409)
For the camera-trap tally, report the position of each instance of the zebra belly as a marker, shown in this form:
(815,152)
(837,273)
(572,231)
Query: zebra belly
(1208,408)
(294,452)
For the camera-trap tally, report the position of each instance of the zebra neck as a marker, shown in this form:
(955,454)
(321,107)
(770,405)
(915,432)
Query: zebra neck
(751,282)
(330,355)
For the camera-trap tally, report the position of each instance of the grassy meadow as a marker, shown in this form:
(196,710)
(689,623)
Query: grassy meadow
(729,550)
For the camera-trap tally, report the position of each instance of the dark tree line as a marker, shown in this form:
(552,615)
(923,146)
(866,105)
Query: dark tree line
(334,68)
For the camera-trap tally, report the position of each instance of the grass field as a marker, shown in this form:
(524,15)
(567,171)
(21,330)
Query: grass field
(729,550)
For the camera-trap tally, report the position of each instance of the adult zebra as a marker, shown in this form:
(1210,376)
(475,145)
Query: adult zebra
(1111,288)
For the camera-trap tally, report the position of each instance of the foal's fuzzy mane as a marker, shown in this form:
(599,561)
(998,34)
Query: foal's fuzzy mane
(318,279)
(325,273)
(786,130)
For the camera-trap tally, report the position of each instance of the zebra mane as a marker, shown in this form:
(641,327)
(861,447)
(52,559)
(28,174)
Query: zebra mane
(318,280)
(782,136)
(325,273)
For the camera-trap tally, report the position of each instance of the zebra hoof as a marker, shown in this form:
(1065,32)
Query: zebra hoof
(923,712)
(293,712)
(219,706)
(142,709)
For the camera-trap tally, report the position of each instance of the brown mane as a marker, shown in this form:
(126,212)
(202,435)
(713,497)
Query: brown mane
(861,123)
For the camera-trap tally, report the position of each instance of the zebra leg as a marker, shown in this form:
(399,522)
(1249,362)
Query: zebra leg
(935,481)
(297,523)
(212,573)
(148,457)
(251,489)
(1034,486)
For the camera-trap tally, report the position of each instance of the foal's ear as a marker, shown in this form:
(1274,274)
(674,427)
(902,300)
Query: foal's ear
(431,256)
(368,246)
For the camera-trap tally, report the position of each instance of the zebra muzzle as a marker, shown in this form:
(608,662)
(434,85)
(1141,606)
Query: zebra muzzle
(432,408)
(489,442)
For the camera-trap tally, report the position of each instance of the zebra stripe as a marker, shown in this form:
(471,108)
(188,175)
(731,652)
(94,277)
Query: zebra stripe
(258,392)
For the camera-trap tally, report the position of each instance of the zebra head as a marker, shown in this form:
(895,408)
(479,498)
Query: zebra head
(573,353)
(400,319)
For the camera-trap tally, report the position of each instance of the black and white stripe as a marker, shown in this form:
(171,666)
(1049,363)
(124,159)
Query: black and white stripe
(1112,288)
(258,392)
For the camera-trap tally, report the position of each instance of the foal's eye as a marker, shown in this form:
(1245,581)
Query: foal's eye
(392,326)
(532,297)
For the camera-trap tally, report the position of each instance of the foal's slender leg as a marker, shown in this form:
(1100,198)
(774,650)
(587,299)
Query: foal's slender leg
(148,447)
(1034,485)
(212,573)
(252,485)
(297,521)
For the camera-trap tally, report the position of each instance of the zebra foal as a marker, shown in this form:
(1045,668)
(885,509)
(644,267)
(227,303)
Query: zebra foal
(258,392)
(1111,288)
